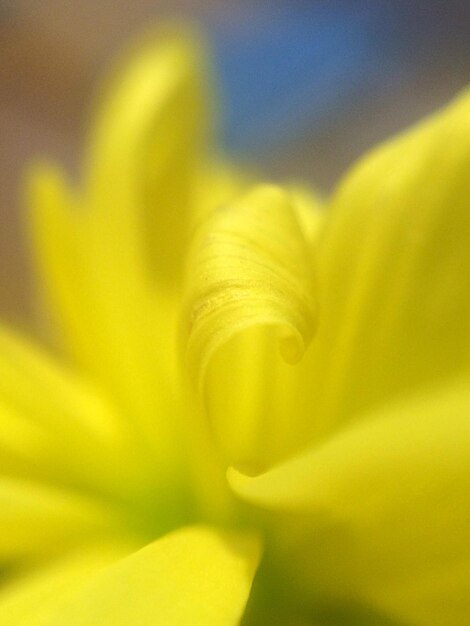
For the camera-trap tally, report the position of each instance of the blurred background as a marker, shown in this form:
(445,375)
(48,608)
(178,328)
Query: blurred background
(307,86)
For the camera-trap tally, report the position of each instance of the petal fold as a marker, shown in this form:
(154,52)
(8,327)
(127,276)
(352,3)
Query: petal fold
(379,512)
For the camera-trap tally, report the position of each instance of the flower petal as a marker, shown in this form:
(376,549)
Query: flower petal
(195,576)
(95,247)
(38,521)
(381,509)
(146,145)
(50,420)
(33,598)
(32,382)
(104,331)
(394,271)
(249,270)
(56,229)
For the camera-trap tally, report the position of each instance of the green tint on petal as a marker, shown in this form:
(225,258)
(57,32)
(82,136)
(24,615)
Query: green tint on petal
(194,576)
(439,596)
(394,271)
(380,508)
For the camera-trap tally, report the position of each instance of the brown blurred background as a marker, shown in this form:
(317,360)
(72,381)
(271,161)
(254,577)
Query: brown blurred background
(53,51)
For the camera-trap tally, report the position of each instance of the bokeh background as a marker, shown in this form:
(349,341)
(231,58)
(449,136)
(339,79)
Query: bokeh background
(307,86)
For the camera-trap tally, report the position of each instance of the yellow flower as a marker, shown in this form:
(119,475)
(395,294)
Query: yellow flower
(245,378)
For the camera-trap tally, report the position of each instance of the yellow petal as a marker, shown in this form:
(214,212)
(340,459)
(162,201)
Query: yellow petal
(249,270)
(381,509)
(95,248)
(37,521)
(50,420)
(102,304)
(248,266)
(22,444)
(394,271)
(195,576)
(32,382)
(147,141)
(32,599)
(219,183)
(309,207)
(61,245)
(437,597)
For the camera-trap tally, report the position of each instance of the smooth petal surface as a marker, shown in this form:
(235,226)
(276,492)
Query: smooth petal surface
(149,135)
(51,420)
(194,576)
(37,521)
(36,385)
(32,599)
(310,210)
(249,271)
(57,232)
(394,272)
(108,319)
(379,512)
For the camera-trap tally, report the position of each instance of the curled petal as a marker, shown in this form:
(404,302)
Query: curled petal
(249,266)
